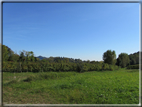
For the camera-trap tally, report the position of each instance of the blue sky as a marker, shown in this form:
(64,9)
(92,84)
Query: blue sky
(74,30)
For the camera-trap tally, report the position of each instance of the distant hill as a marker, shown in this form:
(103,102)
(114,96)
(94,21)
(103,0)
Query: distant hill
(41,57)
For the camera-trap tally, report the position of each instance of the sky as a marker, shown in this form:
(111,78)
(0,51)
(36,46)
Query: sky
(74,30)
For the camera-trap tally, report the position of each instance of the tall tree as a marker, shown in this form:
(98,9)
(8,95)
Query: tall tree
(22,56)
(10,54)
(32,56)
(29,56)
(134,58)
(14,57)
(5,53)
(123,60)
(109,57)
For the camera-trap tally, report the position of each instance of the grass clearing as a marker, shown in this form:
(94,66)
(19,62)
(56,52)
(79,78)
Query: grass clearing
(108,87)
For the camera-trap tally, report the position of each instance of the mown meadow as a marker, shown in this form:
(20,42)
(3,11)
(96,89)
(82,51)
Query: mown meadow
(95,87)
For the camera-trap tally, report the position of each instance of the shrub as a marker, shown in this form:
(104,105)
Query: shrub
(79,68)
(105,66)
(111,67)
(133,66)
(98,67)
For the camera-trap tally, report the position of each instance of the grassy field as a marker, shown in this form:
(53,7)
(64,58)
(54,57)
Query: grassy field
(108,87)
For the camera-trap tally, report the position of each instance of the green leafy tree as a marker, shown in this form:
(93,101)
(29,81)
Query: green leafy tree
(50,59)
(22,57)
(79,67)
(15,57)
(21,60)
(10,54)
(5,53)
(66,60)
(105,66)
(123,60)
(29,56)
(109,57)
(32,56)
(88,61)
(134,58)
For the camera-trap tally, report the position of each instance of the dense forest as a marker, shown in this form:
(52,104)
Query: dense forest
(25,61)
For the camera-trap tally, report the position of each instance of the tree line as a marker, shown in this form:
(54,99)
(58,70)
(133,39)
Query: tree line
(25,61)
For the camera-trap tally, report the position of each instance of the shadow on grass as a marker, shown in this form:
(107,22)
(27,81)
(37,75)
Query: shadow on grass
(11,82)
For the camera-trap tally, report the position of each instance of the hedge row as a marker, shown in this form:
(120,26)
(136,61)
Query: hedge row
(133,66)
(58,67)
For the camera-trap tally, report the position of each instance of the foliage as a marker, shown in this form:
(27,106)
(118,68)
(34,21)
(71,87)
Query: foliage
(79,67)
(40,66)
(26,62)
(133,66)
(105,66)
(5,53)
(123,60)
(109,57)
(134,58)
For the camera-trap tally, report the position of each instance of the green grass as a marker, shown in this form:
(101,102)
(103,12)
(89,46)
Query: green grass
(108,87)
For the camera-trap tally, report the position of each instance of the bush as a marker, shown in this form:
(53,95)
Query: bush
(57,67)
(85,68)
(133,66)
(98,67)
(79,68)
(105,66)
(111,67)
